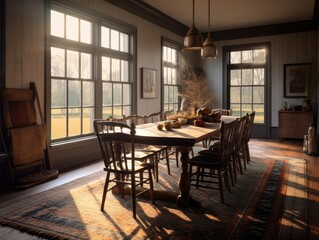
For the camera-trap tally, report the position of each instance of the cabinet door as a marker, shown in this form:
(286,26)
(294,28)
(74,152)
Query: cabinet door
(303,122)
(286,124)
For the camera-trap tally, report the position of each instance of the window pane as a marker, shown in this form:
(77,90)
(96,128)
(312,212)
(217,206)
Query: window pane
(117,94)
(57,24)
(259,76)
(74,94)
(165,94)
(235,57)
(74,125)
(124,71)
(88,117)
(175,94)
(165,53)
(169,76)
(258,94)
(260,56)
(169,55)
(58,123)
(107,112)
(174,57)
(127,111)
(174,76)
(170,94)
(124,42)
(235,77)
(86,66)
(106,72)
(247,56)
(105,37)
(115,40)
(126,94)
(86,31)
(115,69)
(57,62)
(235,95)
(246,108)
(235,109)
(58,93)
(260,113)
(247,77)
(72,28)
(117,112)
(107,94)
(72,64)
(88,94)
(246,95)
(165,75)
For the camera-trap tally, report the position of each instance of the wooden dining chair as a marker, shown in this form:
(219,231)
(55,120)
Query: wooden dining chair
(116,141)
(141,154)
(159,151)
(247,134)
(215,168)
(239,138)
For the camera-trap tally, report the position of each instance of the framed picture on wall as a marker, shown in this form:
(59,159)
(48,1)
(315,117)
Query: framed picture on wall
(149,83)
(295,80)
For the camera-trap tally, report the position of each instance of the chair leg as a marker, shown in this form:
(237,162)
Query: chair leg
(106,185)
(220,182)
(176,156)
(231,173)
(133,194)
(156,166)
(151,185)
(238,160)
(167,162)
(247,152)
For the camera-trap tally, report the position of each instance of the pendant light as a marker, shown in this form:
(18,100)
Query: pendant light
(209,49)
(193,39)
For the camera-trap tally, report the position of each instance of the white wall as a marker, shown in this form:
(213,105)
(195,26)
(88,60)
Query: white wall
(25,61)
(285,49)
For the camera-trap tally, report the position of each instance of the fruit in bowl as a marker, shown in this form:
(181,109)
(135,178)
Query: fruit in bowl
(199,123)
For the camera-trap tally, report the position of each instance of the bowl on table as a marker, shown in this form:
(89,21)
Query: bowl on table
(183,121)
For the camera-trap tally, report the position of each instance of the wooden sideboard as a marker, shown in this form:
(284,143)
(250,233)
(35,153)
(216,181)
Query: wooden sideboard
(294,124)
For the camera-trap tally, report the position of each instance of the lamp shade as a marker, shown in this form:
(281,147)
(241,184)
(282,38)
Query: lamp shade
(193,39)
(209,49)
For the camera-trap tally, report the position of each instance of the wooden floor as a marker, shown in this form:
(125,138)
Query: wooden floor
(307,204)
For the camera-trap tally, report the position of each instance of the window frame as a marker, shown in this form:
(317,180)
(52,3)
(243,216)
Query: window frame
(97,19)
(165,42)
(261,129)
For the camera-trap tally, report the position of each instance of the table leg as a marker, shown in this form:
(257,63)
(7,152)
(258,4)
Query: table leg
(183,199)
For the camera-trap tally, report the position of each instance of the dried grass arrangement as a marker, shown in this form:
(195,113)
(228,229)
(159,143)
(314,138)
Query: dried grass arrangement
(197,93)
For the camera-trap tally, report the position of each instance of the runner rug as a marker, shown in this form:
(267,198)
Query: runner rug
(72,211)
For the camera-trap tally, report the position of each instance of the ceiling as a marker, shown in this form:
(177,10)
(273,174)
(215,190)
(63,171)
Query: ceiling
(236,14)
(230,19)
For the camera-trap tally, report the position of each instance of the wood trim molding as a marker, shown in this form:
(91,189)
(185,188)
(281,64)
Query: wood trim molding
(2,43)
(149,13)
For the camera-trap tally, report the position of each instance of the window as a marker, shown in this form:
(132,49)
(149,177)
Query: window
(171,82)
(89,78)
(246,81)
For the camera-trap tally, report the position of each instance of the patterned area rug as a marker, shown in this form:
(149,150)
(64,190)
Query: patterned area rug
(72,211)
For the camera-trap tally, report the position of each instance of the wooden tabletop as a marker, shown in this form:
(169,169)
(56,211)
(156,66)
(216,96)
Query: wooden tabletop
(187,135)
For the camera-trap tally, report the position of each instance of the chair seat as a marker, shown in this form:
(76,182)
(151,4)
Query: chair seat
(141,155)
(139,166)
(207,161)
(209,152)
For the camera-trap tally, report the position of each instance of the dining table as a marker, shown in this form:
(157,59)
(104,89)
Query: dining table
(184,138)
